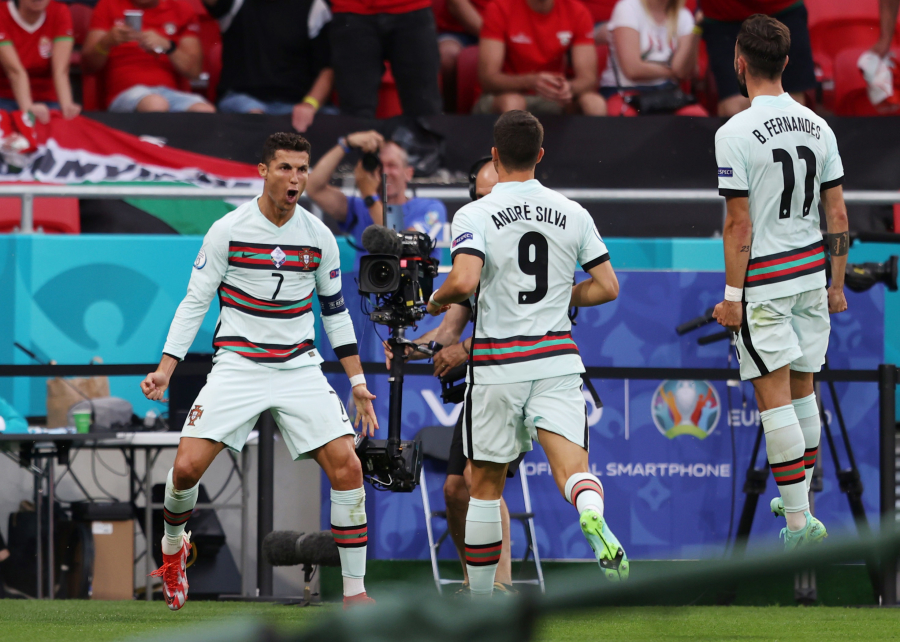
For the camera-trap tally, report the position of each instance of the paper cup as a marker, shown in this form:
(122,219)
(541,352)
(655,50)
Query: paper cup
(82,421)
(134,19)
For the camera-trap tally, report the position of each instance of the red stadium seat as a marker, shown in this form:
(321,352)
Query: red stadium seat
(92,92)
(388,98)
(81,20)
(468,89)
(53,215)
(836,25)
(850,93)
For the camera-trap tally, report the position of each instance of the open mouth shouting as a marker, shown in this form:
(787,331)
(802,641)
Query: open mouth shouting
(292,195)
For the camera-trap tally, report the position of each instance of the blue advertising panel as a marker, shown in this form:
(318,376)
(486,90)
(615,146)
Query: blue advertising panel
(663,449)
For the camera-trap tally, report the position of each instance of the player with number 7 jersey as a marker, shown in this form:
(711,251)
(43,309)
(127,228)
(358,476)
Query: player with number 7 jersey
(776,160)
(517,251)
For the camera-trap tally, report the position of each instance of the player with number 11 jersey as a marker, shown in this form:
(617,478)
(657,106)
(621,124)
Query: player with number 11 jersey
(776,160)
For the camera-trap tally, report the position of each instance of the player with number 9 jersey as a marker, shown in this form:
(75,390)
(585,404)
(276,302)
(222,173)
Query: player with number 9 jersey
(516,251)
(532,240)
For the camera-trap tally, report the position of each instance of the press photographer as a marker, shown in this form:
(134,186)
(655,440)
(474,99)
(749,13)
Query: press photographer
(355,213)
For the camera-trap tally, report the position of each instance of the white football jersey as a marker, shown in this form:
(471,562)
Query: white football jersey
(531,240)
(265,277)
(781,155)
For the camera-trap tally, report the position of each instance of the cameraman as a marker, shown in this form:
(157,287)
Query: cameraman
(482,178)
(355,213)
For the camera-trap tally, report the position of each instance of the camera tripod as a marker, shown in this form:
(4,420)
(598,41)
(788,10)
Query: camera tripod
(393,464)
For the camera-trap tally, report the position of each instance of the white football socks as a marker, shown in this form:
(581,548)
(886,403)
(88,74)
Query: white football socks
(808,415)
(484,536)
(785,446)
(584,490)
(350,531)
(178,506)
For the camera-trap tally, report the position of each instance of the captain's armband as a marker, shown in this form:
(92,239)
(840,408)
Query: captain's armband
(332,304)
(838,244)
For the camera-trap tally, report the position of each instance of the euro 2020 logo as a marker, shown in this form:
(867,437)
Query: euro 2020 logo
(685,408)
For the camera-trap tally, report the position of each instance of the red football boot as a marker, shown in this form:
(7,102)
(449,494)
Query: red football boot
(174,574)
(357,600)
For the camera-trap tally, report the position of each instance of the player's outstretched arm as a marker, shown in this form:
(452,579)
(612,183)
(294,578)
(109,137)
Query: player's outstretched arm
(601,287)
(362,398)
(155,384)
(838,240)
(736,241)
(460,283)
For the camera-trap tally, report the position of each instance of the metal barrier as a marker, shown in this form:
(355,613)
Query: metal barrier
(28,191)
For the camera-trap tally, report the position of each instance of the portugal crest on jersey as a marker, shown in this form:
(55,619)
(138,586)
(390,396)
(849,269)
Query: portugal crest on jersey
(306,258)
(195,414)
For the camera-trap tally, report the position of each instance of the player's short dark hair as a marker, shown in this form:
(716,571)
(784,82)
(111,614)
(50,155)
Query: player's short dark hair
(764,42)
(287,141)
(518,137)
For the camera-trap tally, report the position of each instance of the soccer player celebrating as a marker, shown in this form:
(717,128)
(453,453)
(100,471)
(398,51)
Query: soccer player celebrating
(516,251)
(775,159)
(264,260)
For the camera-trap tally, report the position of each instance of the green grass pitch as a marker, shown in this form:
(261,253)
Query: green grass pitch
(87,621)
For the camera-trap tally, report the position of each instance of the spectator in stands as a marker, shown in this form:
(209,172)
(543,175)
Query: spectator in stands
(523,54)
(458,24)
(653,47)
(723,19)
(144,70)
(365,33)
(35,48)
(355,213)
(271,65)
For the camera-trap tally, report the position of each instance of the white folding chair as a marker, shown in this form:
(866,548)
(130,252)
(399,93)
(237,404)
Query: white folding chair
(436,446)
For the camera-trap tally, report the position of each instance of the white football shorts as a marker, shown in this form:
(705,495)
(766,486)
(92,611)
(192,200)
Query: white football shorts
(792,330)
(500,420)
(308,412)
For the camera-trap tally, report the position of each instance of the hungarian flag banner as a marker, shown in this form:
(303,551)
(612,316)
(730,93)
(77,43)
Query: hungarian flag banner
(82,150)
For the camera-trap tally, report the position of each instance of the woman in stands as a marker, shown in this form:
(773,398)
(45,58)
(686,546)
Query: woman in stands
(653,47)
(35,47)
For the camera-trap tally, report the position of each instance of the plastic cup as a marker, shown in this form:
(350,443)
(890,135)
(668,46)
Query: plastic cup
(82,421)
(134,19)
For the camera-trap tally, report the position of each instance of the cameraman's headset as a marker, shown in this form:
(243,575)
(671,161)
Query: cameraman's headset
(473,174)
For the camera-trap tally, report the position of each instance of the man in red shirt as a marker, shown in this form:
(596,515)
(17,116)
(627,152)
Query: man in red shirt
(365,33)
(144,70)
(35,47)
(524,48)
(722,22)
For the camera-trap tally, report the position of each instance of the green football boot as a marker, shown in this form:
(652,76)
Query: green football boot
(777,506)
(811,534)
(610,554)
